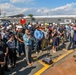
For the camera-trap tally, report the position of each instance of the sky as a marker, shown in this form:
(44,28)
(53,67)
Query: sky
(38,7)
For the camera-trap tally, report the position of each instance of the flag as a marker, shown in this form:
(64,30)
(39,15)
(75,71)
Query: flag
(23,21)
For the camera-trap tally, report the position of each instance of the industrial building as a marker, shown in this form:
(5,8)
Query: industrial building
(43,19)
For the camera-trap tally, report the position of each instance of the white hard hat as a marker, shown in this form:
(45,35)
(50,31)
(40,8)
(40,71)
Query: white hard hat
(19,27)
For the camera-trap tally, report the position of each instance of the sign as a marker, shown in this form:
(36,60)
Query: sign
(67,20)
(23,21)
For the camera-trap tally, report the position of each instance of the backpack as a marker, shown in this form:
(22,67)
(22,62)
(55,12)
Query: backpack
(47,60)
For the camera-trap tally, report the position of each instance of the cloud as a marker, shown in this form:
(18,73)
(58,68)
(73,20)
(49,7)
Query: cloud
(62,10)
(10,9)
(21,1)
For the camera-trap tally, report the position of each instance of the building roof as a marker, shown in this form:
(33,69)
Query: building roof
(19,15)
(54,16)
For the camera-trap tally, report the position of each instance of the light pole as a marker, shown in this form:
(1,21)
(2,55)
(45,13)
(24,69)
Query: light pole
(0,11)
(4,14)
(47,17)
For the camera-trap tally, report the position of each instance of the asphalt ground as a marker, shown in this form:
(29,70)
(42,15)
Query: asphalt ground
(66,66)
(38,66)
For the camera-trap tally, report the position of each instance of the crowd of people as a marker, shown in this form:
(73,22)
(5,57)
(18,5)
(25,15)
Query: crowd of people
(16,39)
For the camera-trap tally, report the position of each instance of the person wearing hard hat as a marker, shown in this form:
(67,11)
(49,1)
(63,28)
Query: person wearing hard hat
(38,34)
(45,38)
(20,42)
(62,33)
(3,32)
